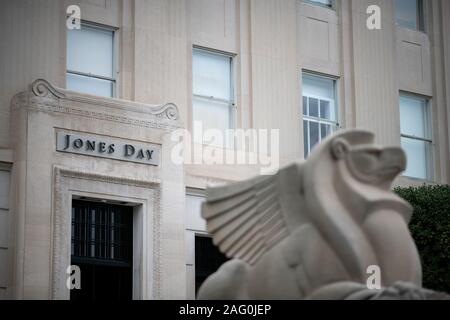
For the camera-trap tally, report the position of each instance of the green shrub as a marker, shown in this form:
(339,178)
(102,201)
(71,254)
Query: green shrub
(430,228)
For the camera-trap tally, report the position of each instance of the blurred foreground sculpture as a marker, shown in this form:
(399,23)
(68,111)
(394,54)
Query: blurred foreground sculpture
(312,230)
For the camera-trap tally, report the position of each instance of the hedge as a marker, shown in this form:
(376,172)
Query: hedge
(430,228)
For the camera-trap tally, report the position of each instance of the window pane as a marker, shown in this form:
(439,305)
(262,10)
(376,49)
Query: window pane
(90,50)
(211,75)
(313,107)
(213,115)
(313,134)
(416,153)
(305,106)
(305,138)
(413,116)
(325,130)
(327,110)
(89,85)
(318,87)
(406,13)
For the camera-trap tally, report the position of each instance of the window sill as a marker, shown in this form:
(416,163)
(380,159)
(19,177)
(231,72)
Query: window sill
(410,31)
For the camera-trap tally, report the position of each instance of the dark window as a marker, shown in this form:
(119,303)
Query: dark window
(208,259)
(102,246)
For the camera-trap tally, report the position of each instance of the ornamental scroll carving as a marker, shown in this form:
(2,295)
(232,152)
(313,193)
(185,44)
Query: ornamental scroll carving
(42,88)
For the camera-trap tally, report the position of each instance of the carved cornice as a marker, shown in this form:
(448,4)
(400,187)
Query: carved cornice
(42,88)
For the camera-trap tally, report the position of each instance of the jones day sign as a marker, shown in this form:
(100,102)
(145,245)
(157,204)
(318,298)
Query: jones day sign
(108,148)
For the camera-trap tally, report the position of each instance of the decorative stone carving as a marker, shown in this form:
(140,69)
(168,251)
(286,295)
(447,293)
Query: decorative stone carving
(169,110)
(312,230)
(42,88)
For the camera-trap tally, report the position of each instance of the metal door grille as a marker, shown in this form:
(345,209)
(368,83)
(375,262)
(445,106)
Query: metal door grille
(102,232)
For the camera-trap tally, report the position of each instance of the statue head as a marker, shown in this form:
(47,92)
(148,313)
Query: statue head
(347,190)
(356,155)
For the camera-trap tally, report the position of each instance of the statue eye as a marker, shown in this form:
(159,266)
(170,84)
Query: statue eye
(366,161)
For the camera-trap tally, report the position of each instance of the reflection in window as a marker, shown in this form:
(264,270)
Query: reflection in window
(409,14)
(415,136)
(319,110)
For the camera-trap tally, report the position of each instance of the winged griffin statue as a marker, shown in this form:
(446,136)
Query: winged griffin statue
(312,230)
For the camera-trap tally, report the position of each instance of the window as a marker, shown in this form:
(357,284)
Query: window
(90,60)
(409,14)
(208,259)
(323,3)
(202,257)
(213,97)
(416,136)
(319,110)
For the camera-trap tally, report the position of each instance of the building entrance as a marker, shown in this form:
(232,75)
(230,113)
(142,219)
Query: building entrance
(102,246)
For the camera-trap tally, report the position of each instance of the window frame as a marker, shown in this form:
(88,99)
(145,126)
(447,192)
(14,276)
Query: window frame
(420,17)
(231,104)
(335,125)
(427,139)
(114,78)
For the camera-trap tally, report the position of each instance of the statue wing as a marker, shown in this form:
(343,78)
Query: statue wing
(245,218)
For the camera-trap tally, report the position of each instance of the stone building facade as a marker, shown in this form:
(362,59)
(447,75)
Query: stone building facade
(304,67)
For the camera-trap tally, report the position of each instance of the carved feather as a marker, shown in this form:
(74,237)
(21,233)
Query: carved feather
(245,218)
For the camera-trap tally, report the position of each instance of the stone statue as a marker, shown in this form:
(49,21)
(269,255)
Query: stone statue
(315,229)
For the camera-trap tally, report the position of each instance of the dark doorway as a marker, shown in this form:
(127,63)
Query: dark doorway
(102,246)
(208,259)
